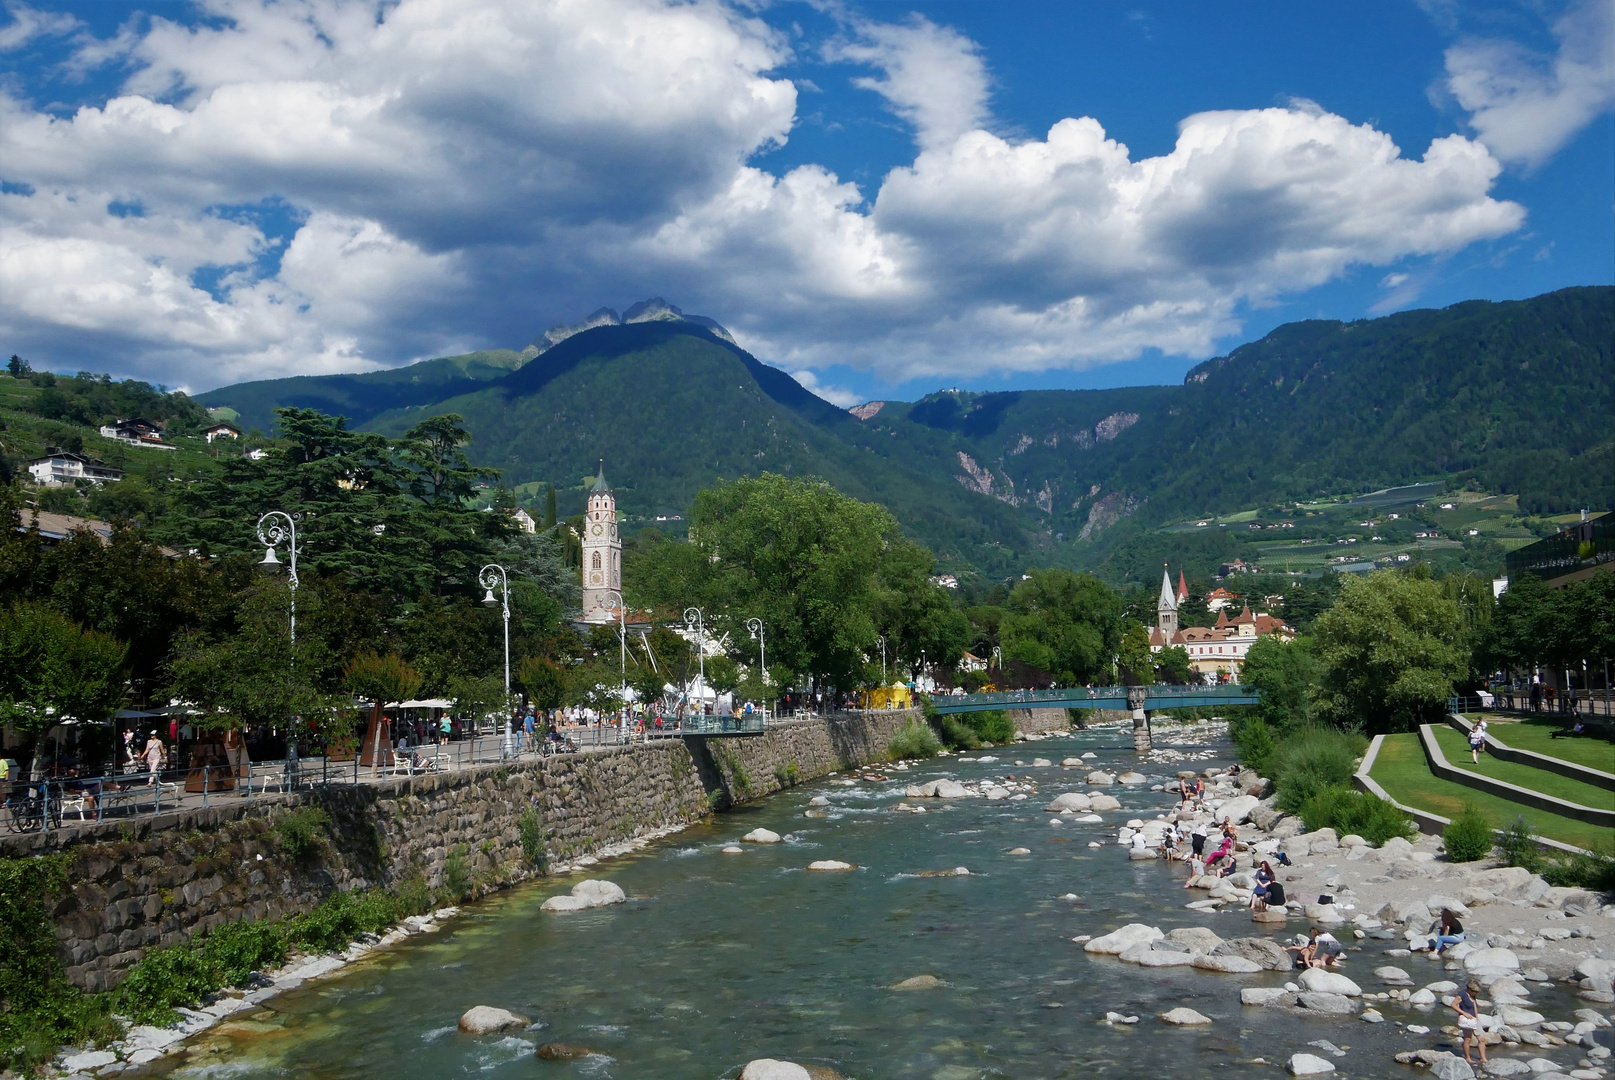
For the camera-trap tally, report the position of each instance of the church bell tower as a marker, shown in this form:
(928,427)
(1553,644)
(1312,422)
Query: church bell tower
(602,554)
(1166,609)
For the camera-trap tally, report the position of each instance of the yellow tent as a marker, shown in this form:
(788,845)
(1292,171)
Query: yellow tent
(895,696)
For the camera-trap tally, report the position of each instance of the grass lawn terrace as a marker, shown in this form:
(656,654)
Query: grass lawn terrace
(1455,745)
(1534,735)
(1401,770)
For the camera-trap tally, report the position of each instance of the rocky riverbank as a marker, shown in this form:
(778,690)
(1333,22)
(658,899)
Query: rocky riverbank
(1525,940)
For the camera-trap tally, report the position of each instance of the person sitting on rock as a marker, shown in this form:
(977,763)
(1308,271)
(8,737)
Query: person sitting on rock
(1169,843)
(1449,933)
(1469,1020)
(1224,851)
(1264,878)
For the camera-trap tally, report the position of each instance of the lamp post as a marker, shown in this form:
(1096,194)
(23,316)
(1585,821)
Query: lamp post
(695,620)
(759,635)
(883,660)
(488,576)
(622,658)
(271,533)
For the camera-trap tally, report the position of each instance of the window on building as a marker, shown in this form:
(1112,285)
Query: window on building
(597,560)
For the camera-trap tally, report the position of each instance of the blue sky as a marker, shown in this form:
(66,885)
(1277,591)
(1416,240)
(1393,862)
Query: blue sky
(883,198)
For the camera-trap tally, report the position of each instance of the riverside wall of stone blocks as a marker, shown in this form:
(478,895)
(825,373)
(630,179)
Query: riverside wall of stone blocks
(158,880)
(1039,721)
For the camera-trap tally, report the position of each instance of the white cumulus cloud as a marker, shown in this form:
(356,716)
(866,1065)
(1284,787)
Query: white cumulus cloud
(319,185)
(1526,105)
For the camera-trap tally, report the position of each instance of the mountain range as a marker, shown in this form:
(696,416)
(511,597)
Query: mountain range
(1511,396)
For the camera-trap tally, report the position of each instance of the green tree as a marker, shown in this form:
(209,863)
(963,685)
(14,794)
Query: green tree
(1288,676)
(1065,623)
(251,675)
(795,552)
(1172,665)
(380,678)
(1133,651)
(52,669)
(917,618)
(544,681)
(1391,649)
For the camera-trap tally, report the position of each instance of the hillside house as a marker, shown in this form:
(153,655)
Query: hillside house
(62,469)
(136,431)
(222,431)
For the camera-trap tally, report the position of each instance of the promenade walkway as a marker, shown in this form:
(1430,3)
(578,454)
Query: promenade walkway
(128,795)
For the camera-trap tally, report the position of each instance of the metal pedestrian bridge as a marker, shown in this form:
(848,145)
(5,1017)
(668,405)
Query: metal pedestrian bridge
(1148,698)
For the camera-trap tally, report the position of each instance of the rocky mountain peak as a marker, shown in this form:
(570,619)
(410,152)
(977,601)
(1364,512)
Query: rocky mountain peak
(653,310)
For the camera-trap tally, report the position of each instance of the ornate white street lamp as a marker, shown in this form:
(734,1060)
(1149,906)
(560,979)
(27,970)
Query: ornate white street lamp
(759,635)
(489,576)
(272,533)
(695,621)
(622,657)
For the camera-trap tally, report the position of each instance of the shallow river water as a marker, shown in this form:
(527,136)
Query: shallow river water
(717,959)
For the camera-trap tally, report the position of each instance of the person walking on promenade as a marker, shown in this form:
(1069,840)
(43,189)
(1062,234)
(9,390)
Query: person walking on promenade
(154,754)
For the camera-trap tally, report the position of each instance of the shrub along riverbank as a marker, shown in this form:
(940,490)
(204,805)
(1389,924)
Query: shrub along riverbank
(41,1011)
(1312,769)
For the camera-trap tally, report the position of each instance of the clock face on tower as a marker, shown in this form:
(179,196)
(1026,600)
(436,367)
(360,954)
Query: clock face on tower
(597,578)
(597,529)
(614,532)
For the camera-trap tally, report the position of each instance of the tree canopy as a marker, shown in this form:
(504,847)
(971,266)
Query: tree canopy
(1067,624)
(828,576)
(1392,648)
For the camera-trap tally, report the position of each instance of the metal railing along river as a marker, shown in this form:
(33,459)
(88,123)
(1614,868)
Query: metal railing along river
(67,801)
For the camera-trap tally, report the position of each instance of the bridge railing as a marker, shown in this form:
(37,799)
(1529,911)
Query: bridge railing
(1098,697)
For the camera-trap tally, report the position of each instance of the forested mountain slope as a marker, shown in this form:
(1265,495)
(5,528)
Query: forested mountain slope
(1511,397)
(671,407)
(359,397)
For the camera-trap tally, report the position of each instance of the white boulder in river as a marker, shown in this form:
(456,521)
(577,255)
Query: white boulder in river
(1184,1017)
(485,1020)
(1075,801)
(1309,1065)
(937,789)
(586,894)
(761,836)
(1319,981)
(769,1069)
(1119,941)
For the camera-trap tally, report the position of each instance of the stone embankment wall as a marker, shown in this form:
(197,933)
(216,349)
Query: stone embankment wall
(1039,721)
(158,880)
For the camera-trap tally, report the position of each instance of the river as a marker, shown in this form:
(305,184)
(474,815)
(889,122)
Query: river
(720,958)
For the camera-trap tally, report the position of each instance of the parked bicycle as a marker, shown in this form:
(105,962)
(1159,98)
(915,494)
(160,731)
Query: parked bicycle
(28,808)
